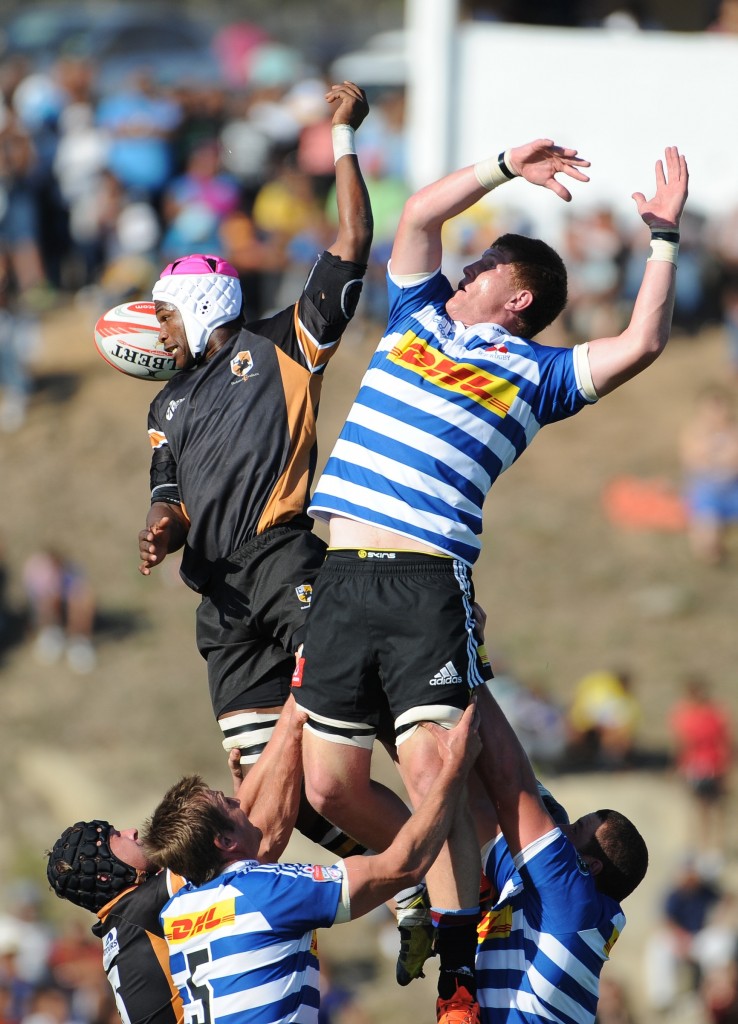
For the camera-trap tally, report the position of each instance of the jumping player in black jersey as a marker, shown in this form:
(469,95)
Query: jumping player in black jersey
(234,448)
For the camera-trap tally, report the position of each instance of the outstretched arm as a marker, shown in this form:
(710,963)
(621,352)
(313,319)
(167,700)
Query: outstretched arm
(373,880)
(508,778)
(417,247)
(612,361)
(270,791)
(355,223)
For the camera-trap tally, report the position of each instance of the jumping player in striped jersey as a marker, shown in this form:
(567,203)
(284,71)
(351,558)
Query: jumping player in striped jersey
(241,938)
(455,393)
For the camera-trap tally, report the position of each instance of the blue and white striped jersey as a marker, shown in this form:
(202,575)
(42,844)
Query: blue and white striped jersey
(442,410)
(543,944)
(243,946)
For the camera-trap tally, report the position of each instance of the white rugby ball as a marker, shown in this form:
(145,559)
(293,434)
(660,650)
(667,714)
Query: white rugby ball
(127,338)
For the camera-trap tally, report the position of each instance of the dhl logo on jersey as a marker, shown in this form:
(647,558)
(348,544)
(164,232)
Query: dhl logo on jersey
(314,943)
(495,924)
(493,392)
(180,929)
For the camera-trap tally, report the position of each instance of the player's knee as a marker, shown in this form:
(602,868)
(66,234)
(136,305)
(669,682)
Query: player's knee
(325,791)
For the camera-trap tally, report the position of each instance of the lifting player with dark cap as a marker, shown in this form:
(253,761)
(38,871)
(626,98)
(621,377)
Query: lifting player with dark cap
(105,870)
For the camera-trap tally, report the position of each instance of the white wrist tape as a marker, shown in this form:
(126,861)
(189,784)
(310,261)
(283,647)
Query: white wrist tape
(343,141)
(664,246)
(494,171)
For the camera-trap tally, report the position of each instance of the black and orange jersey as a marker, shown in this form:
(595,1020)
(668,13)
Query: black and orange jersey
(135,954)
(234,437)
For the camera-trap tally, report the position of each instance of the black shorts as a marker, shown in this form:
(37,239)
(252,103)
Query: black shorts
(387,624)
(252,618)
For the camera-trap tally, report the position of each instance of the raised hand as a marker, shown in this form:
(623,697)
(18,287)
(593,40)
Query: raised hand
(665,209)
(540,160)
(461,745)
(235,768)
(352,106)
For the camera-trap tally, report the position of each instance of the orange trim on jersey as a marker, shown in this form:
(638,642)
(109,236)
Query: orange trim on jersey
(157,438)
(161,952)
(316,355)
(301,391)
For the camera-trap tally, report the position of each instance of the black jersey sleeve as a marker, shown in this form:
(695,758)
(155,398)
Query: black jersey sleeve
(163,470)
(309,331)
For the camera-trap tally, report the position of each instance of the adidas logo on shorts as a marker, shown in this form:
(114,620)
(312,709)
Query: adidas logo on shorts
(447,676)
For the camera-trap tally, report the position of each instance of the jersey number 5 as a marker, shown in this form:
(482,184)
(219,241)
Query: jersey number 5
(197,1011)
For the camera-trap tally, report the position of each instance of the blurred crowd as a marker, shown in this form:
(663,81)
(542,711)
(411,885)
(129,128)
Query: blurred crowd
(98,189)
(57,612)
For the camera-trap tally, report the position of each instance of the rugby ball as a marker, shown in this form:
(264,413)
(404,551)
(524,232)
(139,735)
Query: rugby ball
(127,338)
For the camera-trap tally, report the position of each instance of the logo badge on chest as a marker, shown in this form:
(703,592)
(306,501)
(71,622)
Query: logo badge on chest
(242,364)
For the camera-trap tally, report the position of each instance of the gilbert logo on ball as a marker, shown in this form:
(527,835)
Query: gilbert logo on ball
(127,338)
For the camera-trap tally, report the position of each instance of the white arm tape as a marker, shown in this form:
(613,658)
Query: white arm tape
(664,251)
(343,911)
(343,141)
(494,171)
(583,372)
(408,280)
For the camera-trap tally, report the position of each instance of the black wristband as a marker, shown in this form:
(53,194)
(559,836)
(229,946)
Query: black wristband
(503,166)
(666,234)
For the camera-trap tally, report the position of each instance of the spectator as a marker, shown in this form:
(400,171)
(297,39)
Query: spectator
(49,1004)
(539,722)
(614,1005)
(32,936)
(709,453)
(594,256)
(19,218)
(62,607)
(17,990)
(18,341)
(702,733)
(603,719)
(671,965)
(140,124)
(195,203)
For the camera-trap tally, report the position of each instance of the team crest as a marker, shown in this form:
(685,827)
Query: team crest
(242,364)
(304,593)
